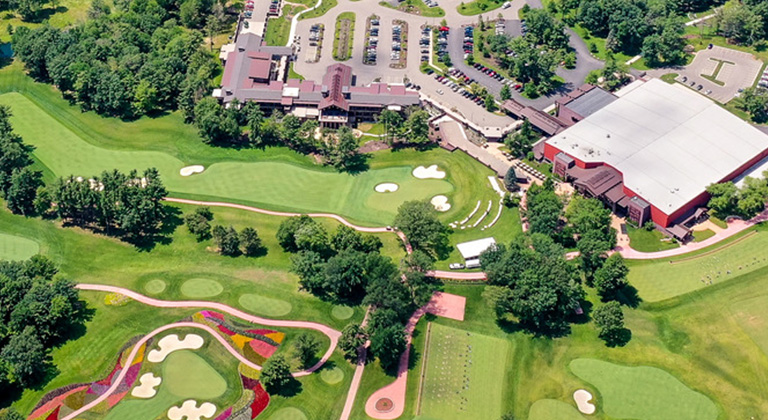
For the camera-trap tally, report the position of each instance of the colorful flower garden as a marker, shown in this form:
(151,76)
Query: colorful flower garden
(60,402)
(254,344)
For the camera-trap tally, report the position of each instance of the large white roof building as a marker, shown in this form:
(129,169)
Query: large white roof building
(667,141)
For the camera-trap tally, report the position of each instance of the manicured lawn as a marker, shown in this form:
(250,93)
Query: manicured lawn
(325,7)
(670,78)
(553,409)
(700,235)
(649,240)
(15,248)
(666,278)
(344,36)
(462,374)
(644,393)
(718,222)
(416,7)
(751,316)
(479,6)
(277,185)
(64,13)
(278,29)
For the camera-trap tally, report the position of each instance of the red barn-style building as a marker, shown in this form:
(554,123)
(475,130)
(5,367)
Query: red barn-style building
(652,152)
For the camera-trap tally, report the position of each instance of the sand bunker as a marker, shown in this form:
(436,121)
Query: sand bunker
(190,170)
(441,203)
(386,187)
(171,343)
(429,172)
(191,411)
(147,388)
(582,398)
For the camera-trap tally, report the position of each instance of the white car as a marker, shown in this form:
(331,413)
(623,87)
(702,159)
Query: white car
(439,91)
(456,266)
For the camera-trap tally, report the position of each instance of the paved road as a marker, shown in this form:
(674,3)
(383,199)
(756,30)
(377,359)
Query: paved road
(332,334)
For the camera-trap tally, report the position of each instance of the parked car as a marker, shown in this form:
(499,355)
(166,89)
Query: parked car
(455,266)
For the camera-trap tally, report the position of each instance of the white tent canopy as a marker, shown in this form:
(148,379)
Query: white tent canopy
(473,249)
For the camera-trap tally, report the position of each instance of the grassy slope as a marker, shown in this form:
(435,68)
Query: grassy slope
(479,6)
(66,12)
(659,279)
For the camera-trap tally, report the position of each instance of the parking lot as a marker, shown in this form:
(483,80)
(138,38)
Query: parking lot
(729,71)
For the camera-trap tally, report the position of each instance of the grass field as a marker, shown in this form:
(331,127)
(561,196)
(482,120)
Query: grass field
(323,9)
(553,409)
(416,7)
(59,14)
(643,393)
(461,375)
(273,184)
(661,279)
(479,6)
(15,248)
(644,240)
(751,316)
(702,235)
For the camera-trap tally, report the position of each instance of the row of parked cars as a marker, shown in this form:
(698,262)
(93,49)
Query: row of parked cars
(491,73)
(426,32)
(274,7)
(457,87)
(469,41)
(396,42)
(373,42)
(315,34)
(249,9)
(442,42)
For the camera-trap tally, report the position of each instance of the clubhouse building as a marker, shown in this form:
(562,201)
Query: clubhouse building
(255,72)
(651,150)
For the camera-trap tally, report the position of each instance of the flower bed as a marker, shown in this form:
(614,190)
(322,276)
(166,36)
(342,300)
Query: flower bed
(256,345)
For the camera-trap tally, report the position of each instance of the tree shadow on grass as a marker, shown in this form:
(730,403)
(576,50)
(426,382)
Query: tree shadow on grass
(291,389)
(45,14)
(164,236)
(629,296)
(619,338)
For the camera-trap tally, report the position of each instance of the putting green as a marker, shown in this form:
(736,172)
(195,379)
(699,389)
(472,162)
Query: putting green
(264,305)
(288,413)
(553,410)
(275,185)
(332,376)
(342,312)
(463,374)
(657,280)
(16,248)
(155,286)
(643,393)
(200,288)
(187,375)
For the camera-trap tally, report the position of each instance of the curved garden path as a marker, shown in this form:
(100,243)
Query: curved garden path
(332,334)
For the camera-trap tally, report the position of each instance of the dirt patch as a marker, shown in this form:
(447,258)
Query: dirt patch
(384,405)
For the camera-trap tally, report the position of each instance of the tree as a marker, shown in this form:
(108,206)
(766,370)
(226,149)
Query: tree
(346,238)
(589,214)
(10,414)
(255,120)
(198,223)
(754,100)
(510,180)
(521,142)
(417,260)
(345,154)
(418,221)
(543,209)
(388,344)
(490,103)
(22,192)
(389,292)
(250,241)
(611,278)
(352,337)
(310,267)
(724,199)
(740,24)
(417,127)
(305,349)
(421,287)
(609,319)
(25,358)
(98,9)
(392,121)
(276,374)
(214,124)
(592,249)
(666,46)
(506,92)
(302,233)
(227,240)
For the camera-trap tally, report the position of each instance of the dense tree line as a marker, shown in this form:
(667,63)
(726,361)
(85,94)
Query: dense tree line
(652,27)
(413,129)
(347,267)
(128,205)
(19,184)
(126,64)
(38,311)
(744,22)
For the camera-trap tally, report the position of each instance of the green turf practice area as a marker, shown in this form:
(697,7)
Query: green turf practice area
(264,305)
(276,185)
(752,316)
(661,279)
(288,413)
(201,288)
(643,393)
(553,409)
(462,375)
(16,248)
(185,375)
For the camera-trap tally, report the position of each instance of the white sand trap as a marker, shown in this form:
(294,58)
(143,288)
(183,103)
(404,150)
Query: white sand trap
(429,172)
(582,398)
(147,388)
(441,203)
(386,187)
(191,170)
(191,411)
(171,343)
